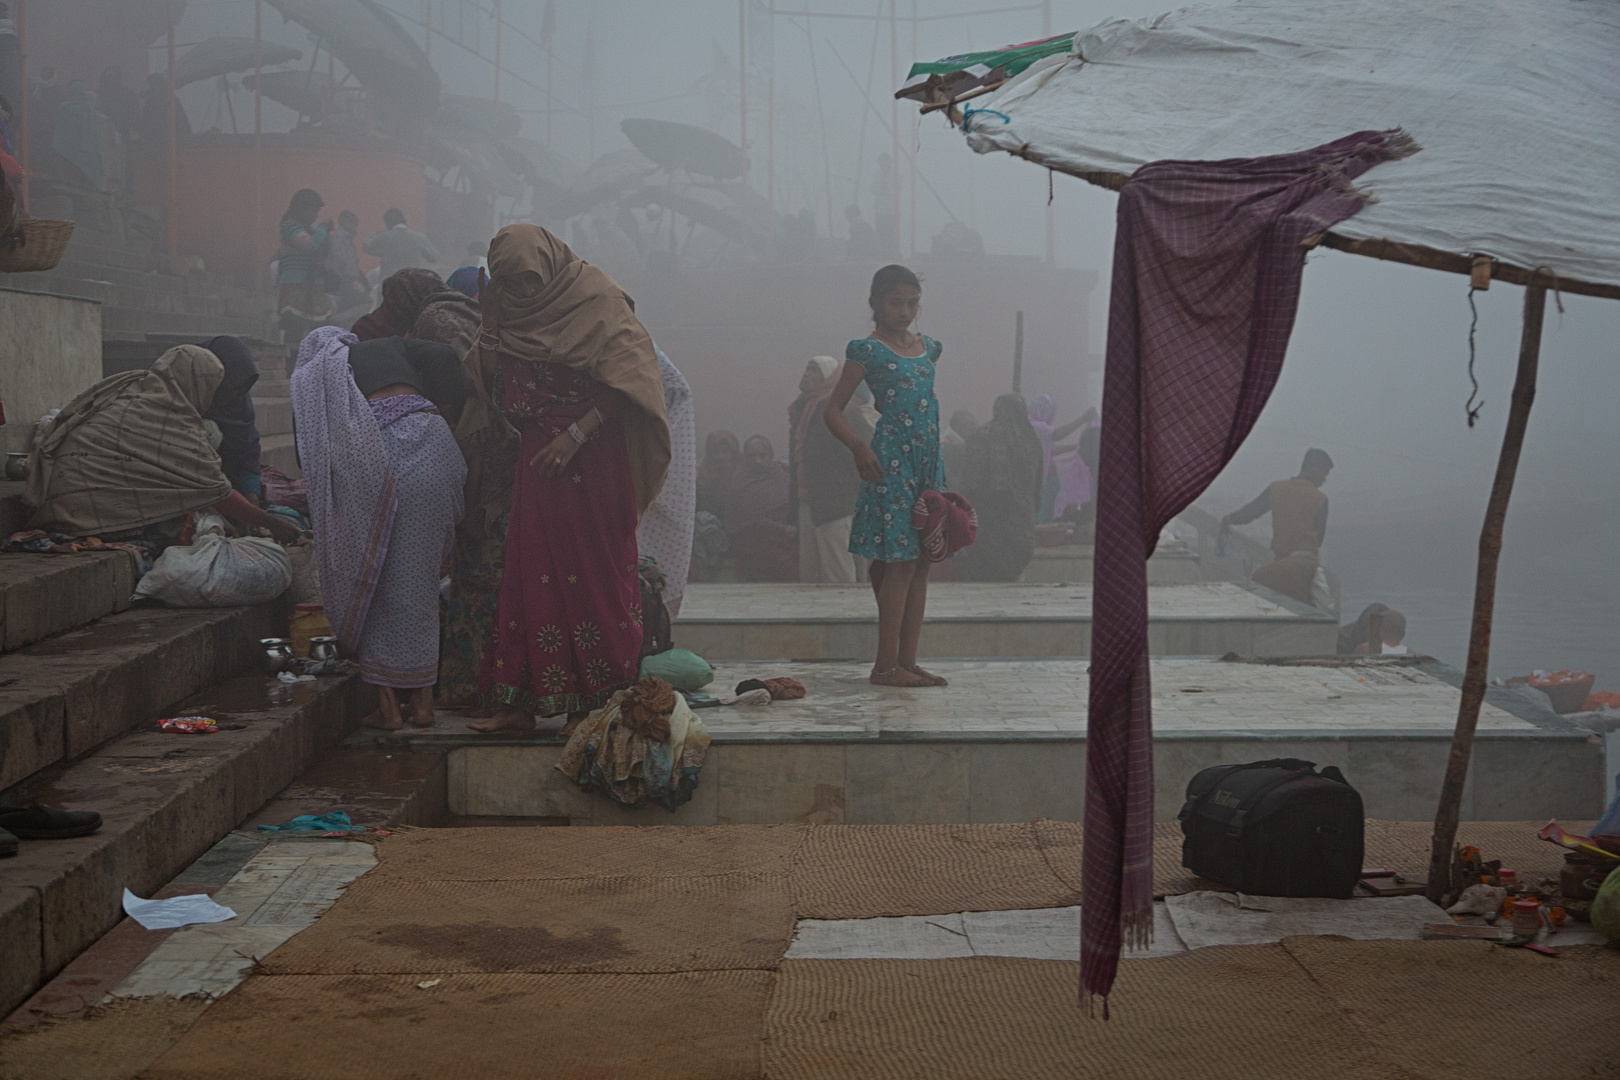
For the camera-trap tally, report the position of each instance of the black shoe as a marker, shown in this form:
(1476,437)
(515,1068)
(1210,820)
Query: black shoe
(38,822)
(8,845)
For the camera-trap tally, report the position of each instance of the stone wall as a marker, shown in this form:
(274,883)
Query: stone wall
(50,351)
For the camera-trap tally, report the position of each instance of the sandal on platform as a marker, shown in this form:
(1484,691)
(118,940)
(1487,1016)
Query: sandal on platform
(39,822)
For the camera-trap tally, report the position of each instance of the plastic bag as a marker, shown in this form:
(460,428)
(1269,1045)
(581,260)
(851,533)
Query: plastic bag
(681,668)
(216,570)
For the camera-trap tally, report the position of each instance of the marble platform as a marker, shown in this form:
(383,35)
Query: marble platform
(1006,742)
(1074,562)
(770,621)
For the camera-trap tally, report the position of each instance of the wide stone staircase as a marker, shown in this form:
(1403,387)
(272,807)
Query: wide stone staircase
(84,678)
(144,292)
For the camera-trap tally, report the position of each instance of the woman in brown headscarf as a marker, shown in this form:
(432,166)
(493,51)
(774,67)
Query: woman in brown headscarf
(568,363)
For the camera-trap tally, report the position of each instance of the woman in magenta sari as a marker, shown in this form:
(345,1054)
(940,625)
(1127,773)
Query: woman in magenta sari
(567,362)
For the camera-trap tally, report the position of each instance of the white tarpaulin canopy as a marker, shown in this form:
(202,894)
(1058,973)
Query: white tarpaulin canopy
(1516,104)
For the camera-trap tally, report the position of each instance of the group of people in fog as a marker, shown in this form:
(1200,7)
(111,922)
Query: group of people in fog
(497,467)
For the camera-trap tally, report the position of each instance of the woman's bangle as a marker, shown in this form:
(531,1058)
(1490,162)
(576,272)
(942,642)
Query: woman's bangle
(488,339)
(577,435)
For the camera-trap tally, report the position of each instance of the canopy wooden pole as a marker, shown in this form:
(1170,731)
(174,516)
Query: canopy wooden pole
(22,106)
(258,142)
(174,151)
(1479,637)
(1018,354)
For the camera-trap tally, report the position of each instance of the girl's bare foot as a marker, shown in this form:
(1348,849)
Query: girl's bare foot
(573,722)
(422,707)
(933,680)
(506,718)
(898,676)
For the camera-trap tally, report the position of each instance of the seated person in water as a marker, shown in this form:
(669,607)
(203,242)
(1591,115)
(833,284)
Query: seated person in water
(1299,514)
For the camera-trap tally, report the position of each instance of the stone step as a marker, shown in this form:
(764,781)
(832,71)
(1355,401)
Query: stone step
(63,697)
(272,416)
(42,594)
(280,451)
(165,800)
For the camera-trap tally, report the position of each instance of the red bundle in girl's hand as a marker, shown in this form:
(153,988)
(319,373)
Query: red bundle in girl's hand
(190,725)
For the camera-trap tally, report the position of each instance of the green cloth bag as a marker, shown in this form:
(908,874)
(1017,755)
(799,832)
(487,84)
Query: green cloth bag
(1606,908)
(683,669)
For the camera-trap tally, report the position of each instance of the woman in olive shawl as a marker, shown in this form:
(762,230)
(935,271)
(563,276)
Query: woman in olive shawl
(574,369)
(1001,477)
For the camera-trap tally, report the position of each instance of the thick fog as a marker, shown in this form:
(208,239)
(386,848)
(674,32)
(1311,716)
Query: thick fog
(1376,373)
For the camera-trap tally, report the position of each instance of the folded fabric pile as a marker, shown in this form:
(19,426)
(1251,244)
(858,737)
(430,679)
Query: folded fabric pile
(645,745)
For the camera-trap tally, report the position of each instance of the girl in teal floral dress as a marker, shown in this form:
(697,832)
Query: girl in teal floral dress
(902,463)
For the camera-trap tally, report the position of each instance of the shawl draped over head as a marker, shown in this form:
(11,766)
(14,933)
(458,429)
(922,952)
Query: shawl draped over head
(1042,411)
(464,280)
(1003,455)
(722,456)
(433,369)
(352,499)
(665,533)
(1207,271)
(578,318)
(756,495)
(131,451)
(232,408)
(404,295)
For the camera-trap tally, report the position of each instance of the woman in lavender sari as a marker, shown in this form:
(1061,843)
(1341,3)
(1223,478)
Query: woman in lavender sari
(385,493)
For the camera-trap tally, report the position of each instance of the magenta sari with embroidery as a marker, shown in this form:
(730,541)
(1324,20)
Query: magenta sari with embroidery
(567,630)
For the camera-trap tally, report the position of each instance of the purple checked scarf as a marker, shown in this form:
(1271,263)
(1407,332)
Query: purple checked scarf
(351,485)
(1207,267)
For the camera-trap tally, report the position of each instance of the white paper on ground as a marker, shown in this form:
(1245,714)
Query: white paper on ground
(1032,933)
(1218,918)
(175,911)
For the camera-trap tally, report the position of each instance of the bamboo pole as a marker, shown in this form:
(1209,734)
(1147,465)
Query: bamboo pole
(174,149)
(916,122)
(894,129)
(22,115)
(1051,211)
(1479,637)
(498,21)
(1018,354)
(742,112)
(258,141)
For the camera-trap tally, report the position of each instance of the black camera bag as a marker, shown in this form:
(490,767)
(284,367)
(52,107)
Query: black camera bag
(1274,828)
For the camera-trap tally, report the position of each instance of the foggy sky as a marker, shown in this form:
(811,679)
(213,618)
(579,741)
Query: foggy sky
(1375,372)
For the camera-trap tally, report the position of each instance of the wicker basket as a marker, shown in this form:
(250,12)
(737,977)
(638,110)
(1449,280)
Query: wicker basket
(43,243)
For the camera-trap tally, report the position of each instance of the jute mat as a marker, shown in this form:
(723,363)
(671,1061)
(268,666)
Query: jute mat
(694,1026)
(1465,1010)
(610,850)
(1403,846)
(867,871)
(1237,1013)
(1061,842)
(110,1042)
(624,924)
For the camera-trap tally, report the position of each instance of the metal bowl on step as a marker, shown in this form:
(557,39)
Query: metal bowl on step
(16,466)
(277,653)
(323,648)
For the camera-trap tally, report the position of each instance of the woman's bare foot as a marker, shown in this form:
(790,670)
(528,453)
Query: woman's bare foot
(933,680)
(898,676)
(506,718)
(573,722)
(387,716)
(422,707)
